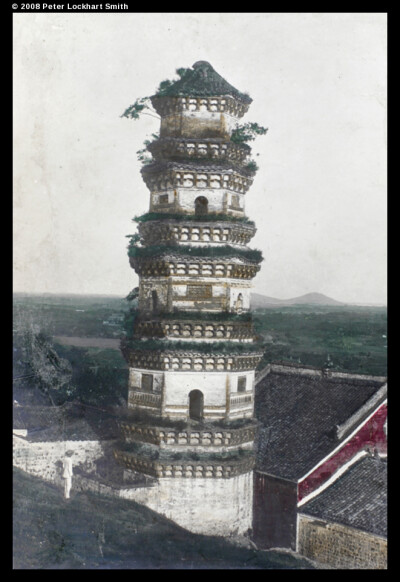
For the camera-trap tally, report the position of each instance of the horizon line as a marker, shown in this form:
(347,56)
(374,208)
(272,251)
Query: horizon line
(68,293)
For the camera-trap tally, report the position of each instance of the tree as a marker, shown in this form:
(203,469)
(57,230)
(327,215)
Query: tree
(39,363)
(137,109)
(134,294)
(247,132)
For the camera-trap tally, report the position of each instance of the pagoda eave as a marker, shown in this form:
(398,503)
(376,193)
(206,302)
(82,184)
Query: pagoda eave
(190,360)
(214,149)
(186,468)
(172,230)
(174,104)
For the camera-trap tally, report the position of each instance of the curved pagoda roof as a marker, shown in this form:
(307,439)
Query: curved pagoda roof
(198,166)
(202,81)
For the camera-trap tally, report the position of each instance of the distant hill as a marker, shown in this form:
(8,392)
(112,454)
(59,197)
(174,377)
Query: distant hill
(258,300)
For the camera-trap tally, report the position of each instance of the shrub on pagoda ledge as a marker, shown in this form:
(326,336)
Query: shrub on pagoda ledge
(208,251)
(218,347)
(211,217)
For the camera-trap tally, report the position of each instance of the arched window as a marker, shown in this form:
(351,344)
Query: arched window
(201,205)
(196,402)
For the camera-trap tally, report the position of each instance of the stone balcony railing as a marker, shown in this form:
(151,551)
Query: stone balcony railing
(196,329)
(160,177)
(162,468)
(162,231)
(194,267)
(190,360)
(145,399)
(210,437)
(218,104)
(209,149)
(238,400)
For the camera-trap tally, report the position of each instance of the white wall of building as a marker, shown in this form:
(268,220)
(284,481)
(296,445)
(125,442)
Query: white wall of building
(219,199)
(217,389)
(220,507)
(43,459)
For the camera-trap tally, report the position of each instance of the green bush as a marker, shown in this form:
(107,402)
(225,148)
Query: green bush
(161,345)
(203,315)
(211,217)
(208,251)
(247,132)
(252,166)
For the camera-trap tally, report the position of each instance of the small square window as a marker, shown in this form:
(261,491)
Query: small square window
(242,384)
(147,382)
(163,199)
(235,201)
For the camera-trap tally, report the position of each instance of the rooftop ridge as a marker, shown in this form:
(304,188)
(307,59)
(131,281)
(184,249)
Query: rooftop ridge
(374,402)
(313,371)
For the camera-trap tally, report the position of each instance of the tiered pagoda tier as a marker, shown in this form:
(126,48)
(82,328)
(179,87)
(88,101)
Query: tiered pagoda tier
(191,348)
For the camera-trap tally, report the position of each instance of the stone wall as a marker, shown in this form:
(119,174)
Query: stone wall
(44,459)
(340,546)
(201,122)
(220,507)
(182,199)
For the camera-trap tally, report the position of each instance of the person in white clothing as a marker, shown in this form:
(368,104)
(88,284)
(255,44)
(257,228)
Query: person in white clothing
(67,473)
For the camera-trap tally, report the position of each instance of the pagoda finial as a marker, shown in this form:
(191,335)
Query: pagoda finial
(202,64)
(204,68)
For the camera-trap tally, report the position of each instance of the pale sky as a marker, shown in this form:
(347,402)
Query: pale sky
(318,82)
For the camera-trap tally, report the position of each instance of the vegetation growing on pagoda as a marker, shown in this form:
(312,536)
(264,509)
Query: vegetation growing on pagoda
(152,453)
(138,108)
(210,217)
(142,104)
(164,86)
(133,315)
(163,345)
(128,322)
(177,315)
(189,83)
(143,155)
(209,251)
(143,417)
(246,132)
(206,163)
(132,295)
(252,167)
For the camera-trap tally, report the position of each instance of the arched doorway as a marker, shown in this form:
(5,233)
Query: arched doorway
(196,401)
(201,205)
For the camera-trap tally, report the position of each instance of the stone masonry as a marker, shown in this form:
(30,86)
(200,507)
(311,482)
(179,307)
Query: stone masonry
(191,348)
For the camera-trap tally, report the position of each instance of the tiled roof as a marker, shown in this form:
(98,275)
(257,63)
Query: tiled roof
(298,414)
(203,81)
(198,166)
(357,499)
